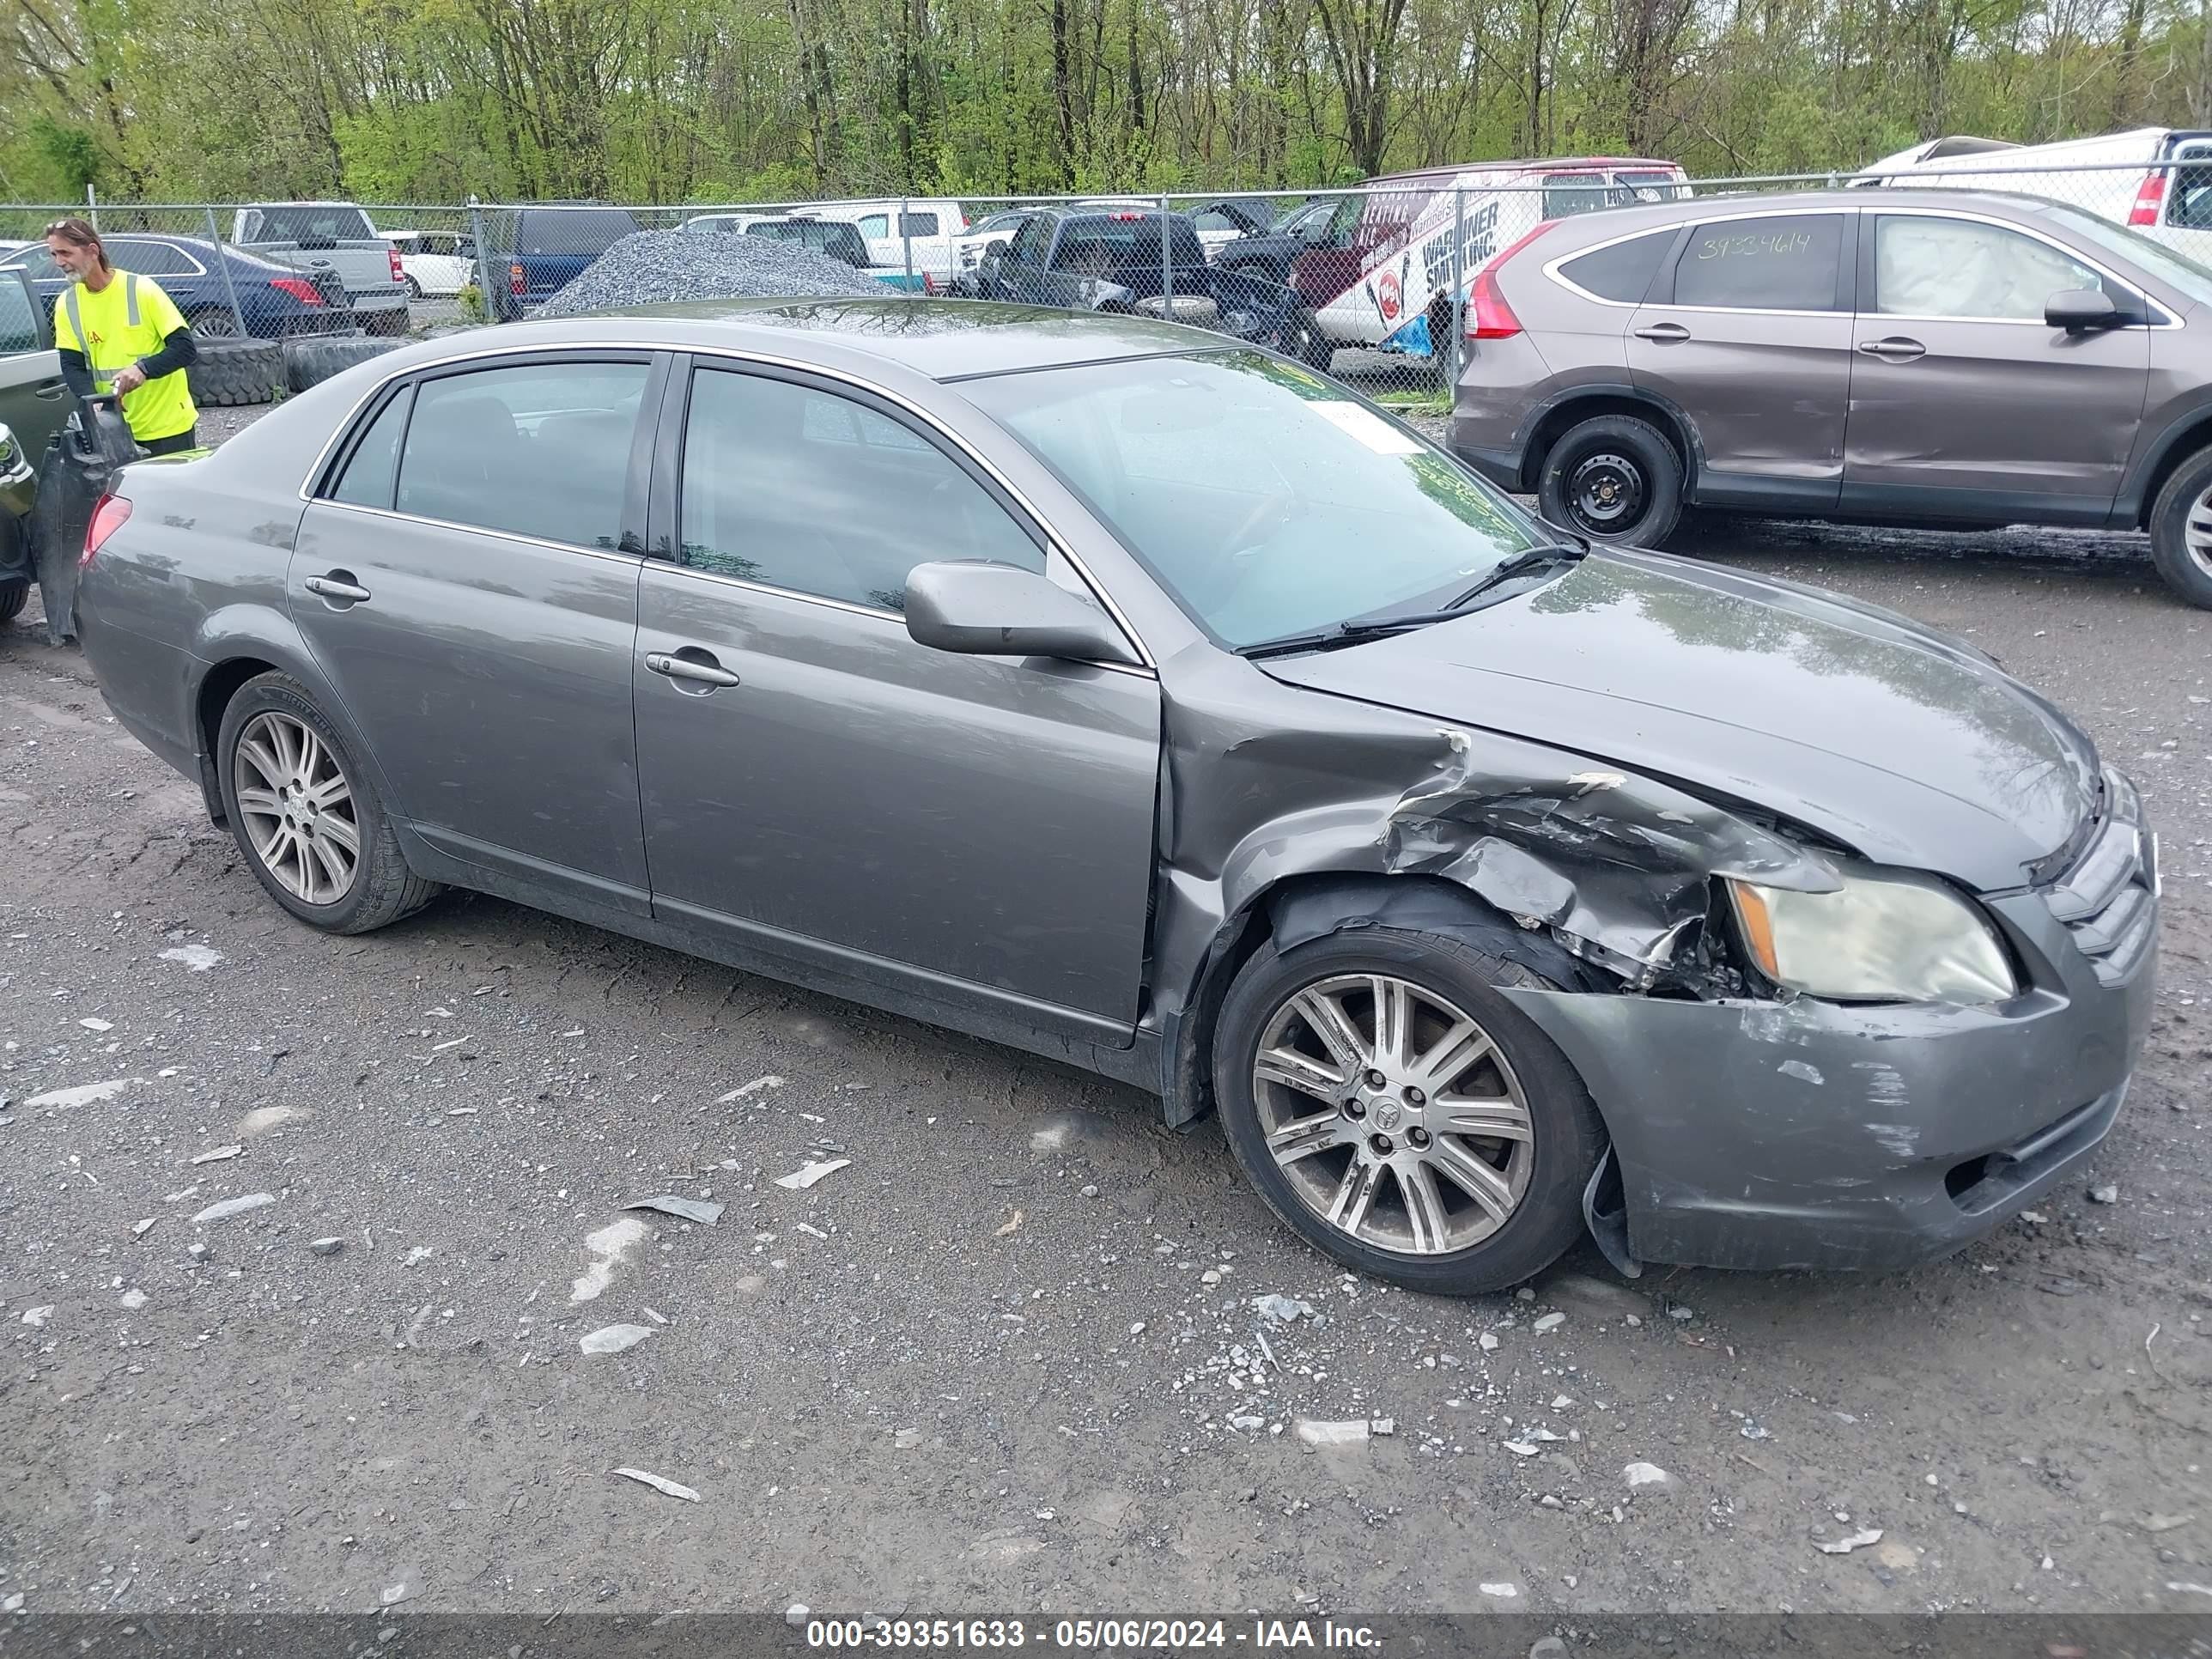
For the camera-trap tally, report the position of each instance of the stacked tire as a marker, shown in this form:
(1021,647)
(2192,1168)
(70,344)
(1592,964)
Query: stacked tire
(231,373)
(311,360)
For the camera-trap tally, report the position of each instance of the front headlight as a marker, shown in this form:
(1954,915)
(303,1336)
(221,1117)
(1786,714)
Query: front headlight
(1890,938)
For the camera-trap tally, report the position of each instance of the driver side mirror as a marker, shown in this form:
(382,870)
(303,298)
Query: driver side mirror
(2079,310)
(977,608)
(997,248)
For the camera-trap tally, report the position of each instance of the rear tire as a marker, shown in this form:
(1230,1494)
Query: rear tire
(2181,530)
(327,854)
(1303,340)
(14,596)
(1612,478)
(1408,1228)
(231,373)
(390,325)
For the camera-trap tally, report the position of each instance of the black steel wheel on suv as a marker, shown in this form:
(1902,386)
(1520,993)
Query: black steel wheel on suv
(1612,478)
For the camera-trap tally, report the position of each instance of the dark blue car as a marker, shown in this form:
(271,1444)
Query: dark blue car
(545,248)
(273,299)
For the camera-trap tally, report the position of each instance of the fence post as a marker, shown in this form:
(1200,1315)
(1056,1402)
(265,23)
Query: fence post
(1167,263)
(92,206)
(229,286)
(483,257)
(906,242)
(1454,314)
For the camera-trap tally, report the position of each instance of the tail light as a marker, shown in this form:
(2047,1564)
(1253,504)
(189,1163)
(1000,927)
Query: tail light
(1488,316)
(518,282)
(109,514)
(2148,199)
(298,287)
(398,272)
(928,282)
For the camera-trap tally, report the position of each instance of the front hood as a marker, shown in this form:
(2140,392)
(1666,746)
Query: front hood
(1904,746)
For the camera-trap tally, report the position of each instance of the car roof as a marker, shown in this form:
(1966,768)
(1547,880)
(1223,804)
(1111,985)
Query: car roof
(1542,163)
(1613,221)
(938,339)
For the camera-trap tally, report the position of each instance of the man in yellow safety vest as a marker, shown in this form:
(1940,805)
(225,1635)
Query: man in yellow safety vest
(118,332)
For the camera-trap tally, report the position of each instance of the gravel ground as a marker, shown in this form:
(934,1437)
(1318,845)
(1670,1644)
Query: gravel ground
(661,267)
(1011,1355)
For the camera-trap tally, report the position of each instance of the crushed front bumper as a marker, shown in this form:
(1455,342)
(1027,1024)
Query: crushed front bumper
(1818,1135)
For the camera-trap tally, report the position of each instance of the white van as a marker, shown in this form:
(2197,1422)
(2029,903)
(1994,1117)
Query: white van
(2129,178)
(930,227)
(1380,270)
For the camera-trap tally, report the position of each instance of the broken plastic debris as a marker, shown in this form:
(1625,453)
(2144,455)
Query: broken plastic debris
(907,1439)
(231,1206)
(84,1094)
(1283,1309)
(1550,1322)
(140,1229)
(198,958)
(1317,1433)
(771,1081)
(1649,1477)
(406,1584)
(36,1318)
(1521,1449)
(326,1246)
(1503,1592)
(811,1171)
(1845,1545)
(217,1154)
(132,1300)
(613,1338)
(659,1484)
(813,1232)
(97,1024)
(1012,1225)
(691,1209)
(608,1248)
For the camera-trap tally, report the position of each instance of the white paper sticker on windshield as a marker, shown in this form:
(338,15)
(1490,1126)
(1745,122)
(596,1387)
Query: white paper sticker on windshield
(1365,424)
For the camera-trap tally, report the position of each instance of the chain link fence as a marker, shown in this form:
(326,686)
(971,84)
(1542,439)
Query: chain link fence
(1371,283)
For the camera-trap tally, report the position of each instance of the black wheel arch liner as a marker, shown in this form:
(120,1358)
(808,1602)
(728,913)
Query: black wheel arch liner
(2182,436)
(1678,419)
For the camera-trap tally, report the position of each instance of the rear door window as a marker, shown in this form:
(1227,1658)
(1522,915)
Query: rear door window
(537,449)
(1622,272)
(309,222)
(151,258)
(2189,194)
(876,224)
(1789,262)
(1029,243)
(372,469)
(917,224)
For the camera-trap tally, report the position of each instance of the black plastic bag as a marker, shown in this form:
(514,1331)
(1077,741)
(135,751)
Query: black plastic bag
(80,465)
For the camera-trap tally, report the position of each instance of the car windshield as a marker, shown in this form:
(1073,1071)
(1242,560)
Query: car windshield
(1264,498)
(2178,271)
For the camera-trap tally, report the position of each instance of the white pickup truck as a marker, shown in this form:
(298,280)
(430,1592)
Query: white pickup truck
(337,235)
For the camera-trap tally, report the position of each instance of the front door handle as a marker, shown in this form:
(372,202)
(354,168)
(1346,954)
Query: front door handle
(691,664)
(1663,333)
(52,391)
(1894,350)
(338,587)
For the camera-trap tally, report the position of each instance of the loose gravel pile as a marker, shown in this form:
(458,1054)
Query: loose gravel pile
(661,267)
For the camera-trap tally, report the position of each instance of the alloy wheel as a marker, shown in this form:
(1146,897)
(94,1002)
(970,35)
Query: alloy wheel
(298,808)
(1394,1114)
(2196,531)
(216,325)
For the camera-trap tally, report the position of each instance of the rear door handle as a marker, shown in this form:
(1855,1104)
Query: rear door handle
(1896,349)
(338,587)
(52,391)
(1663,333)
(692,664)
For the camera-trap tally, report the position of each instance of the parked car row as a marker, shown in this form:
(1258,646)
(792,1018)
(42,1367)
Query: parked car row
(274,299)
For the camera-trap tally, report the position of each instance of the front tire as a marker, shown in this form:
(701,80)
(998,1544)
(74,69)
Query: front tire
(1462,1170)
(1612,478)
(2181,531)
(305,815)
(14,594)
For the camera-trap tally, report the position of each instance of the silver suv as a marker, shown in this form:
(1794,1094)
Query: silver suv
(1933,358)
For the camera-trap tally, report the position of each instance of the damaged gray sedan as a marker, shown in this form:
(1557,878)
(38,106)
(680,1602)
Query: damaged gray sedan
(1146,701)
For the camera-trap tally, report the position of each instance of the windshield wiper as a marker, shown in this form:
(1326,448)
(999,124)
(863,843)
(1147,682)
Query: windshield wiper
(1367,627)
